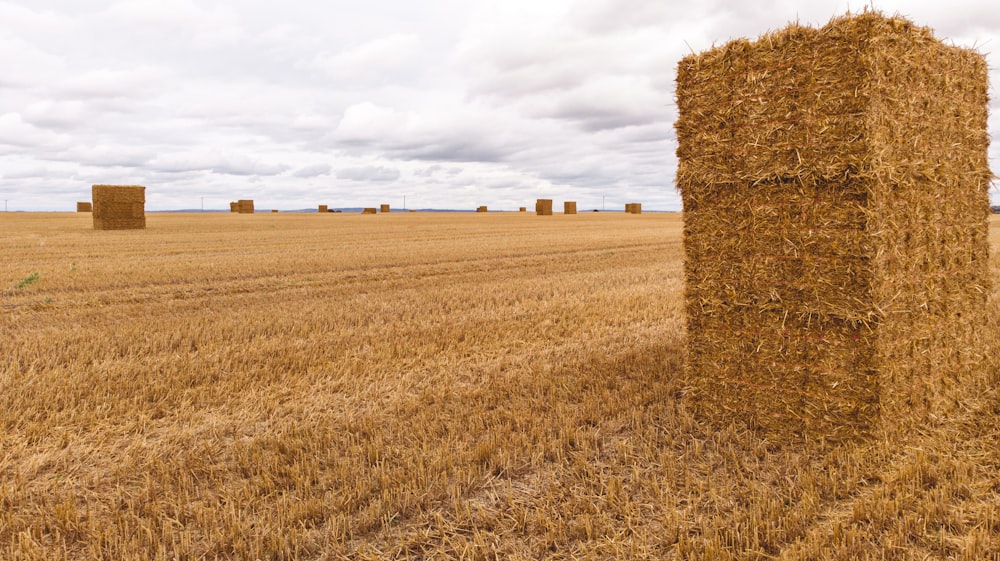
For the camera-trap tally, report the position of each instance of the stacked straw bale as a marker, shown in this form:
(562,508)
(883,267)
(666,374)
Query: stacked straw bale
(569,207)
(523,209)
(119,207)
(245,206)
(84,206)
(835,196)
(384,208)
(234,206)
(482,209)
(323,208)
(633,208)
(543,207)
(370,210)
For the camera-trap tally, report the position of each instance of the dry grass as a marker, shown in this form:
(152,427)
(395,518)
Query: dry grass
(419,387)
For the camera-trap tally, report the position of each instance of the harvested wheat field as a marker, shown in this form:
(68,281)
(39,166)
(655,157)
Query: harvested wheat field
(423,386)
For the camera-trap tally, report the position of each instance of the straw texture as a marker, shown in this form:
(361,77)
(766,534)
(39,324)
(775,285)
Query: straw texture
(569,207)
(836,212)
(245,206)
(384,208)
(323,208)
(369,210)
(234,206)
(119,207)
(84,206)
(482,209)
(543,207)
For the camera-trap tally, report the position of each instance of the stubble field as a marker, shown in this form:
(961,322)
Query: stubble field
(424,386)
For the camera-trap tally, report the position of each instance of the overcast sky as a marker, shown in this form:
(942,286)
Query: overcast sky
(450,103)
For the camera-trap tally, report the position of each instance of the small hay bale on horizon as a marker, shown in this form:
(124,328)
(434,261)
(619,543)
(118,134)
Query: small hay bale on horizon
(84,206)
(323,208)
(384,208)
(119,207)
(569,207)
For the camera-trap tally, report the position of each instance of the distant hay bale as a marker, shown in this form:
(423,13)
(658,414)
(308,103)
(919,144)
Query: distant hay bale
(411,210)
(119,207)
(835,186)
(245,206)
(84,206)
(633,208)
(522,209)
(370,210)
(569,207)
(274,210)
(481,209)
(234,206)
(323,208)
(384,208)
(543,207)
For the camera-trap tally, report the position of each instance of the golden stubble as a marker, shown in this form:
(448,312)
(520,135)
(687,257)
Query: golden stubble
(425,386)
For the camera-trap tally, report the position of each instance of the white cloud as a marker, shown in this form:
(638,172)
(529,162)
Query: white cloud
(370,62)
(369,173)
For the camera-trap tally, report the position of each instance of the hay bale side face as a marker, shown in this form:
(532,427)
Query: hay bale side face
(827,262)
(384,208)
(543,207)
(84,206)
(234,206)
(323,208)
(119,207)
(245,206)
(522,209)
(569,207)
(481,209)
(369,210)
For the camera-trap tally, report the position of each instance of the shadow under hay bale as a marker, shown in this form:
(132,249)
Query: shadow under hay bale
(835,196)
(543,207)
(119,207)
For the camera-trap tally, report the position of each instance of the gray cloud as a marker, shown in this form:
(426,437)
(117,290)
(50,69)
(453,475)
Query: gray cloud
(315,170)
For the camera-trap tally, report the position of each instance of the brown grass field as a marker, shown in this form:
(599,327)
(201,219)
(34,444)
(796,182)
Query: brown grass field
(421,386)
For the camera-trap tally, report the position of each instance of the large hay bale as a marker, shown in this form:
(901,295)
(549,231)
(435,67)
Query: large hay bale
(835,225)
(84,206)
(245,206)
(119,207)
(234,206)
(543,207)
(569,207)
(323,208)
(369,210)
(384,208)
